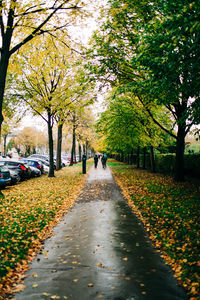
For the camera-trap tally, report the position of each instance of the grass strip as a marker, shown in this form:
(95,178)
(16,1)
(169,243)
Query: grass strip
(170,214)
(28,211)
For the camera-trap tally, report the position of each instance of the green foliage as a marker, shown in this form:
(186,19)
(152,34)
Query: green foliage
(165,163)
(152,50)
(125,125)
(192,163)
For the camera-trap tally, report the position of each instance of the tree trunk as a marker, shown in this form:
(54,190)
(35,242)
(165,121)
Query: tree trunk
(73,151)
(131,157)
(4,143)
(138,157)
(84,149)
(144,157)
(180,147)
(59,148)
(79,152)
(50,138)
(4,59)
(152,159)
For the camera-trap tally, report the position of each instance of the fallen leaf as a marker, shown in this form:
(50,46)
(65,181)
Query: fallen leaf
(125,258)
(143,293)
(46,294)
(90,284)
(35,285)
(100,265)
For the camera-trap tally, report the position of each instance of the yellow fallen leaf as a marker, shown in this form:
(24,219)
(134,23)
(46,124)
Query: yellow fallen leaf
(34,275)
(90,284)
(75,280)
(125,258)
(142,284)
(143,293)
(35,285)
(46,294)
(19,288)
(100,265)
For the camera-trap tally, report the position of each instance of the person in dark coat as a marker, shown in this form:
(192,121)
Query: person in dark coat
(103,160)
(95,161)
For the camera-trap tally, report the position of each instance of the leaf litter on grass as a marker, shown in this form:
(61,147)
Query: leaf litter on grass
(169,212)
(27,214)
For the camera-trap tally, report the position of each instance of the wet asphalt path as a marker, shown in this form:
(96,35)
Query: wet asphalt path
(100,251)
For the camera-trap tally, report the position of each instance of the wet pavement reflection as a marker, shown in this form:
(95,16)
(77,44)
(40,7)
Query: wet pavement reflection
(100,251)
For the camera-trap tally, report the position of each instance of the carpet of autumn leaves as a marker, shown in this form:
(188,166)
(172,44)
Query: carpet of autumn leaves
(170,214)
(28,211)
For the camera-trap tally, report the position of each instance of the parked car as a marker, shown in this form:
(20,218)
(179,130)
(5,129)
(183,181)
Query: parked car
(65,161)
(15,178)
(35,172)
(42,158)
(22,169)
(45,165)
(39,156)
(36,163)
(5,178)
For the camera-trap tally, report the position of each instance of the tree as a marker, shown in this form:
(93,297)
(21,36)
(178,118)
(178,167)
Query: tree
(43,84)
(28,139)
(152,49)
(21,22)
(79,93)
(127,128)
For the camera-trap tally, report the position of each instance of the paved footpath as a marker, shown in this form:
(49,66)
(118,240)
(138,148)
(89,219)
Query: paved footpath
(100,251)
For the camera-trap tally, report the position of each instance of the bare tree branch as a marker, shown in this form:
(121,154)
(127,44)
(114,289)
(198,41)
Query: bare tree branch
(37,30)
(155,121)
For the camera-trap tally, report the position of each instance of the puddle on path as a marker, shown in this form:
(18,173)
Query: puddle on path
(100,251)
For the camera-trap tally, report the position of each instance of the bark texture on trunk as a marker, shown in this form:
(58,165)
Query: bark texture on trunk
(5,56)
(180,147)
(79,152)
(144,157)
(138,157)
(4,143)
(73,151)
(59,147)
(181,110)
(50,138)
(84,149)
(152,159)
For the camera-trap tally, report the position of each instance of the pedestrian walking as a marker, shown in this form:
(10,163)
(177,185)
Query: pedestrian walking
(103,160)
(95,161)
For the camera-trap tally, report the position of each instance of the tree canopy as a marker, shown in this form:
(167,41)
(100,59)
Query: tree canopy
(151,49)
